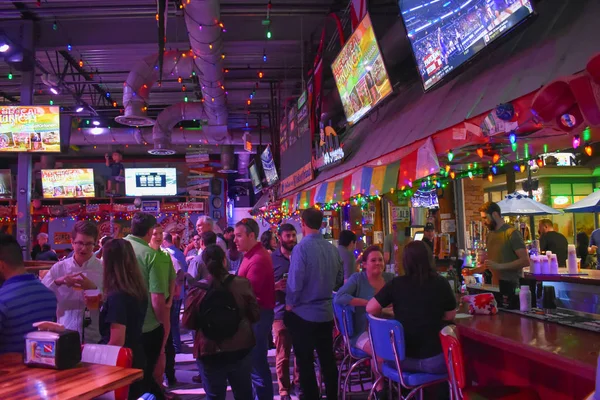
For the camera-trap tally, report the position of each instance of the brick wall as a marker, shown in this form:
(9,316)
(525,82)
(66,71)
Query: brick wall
(474,198)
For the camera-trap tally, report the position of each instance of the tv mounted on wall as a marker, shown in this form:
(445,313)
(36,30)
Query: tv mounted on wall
(68,183)
(360,73)
(150,181)
(269,168)
(444,34)
(30,129)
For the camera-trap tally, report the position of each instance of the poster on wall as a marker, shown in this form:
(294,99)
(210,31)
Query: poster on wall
(5,184)
(283,139)
(360,73)
(62,238)
(68,183)
(302,118)
(30,129)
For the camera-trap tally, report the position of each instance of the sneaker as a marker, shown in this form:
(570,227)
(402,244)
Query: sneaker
(197,379)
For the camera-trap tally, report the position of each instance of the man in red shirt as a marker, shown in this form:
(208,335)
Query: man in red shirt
(257,267)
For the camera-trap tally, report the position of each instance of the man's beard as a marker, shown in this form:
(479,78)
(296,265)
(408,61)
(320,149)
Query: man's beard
(288,246)
(492,225)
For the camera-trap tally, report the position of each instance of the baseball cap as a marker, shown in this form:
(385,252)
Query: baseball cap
(429,227)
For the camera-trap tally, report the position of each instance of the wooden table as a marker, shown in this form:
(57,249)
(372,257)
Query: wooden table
(558,361)
(86,381)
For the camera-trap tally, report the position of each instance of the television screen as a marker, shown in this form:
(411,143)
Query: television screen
(150,181)
(5,184)
(360,73)
(68,183)
(255,177)
(446,33)
(268,165)
(29,129)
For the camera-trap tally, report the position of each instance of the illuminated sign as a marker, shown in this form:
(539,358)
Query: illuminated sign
(328,151)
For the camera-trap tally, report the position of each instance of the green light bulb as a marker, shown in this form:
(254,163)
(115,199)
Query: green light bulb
(10,75)
(269,35)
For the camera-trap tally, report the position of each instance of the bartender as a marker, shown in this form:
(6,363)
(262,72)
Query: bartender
(429,235)
(506,251)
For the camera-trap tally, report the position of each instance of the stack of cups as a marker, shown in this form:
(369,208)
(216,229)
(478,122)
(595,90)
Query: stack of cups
(553,264)
(545,265)
(536,267)
(572,260)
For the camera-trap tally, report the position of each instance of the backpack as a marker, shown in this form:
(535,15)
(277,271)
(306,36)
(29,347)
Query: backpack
(219,316)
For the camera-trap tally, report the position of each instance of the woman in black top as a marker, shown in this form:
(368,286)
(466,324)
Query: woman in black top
(125,303)
(423,301)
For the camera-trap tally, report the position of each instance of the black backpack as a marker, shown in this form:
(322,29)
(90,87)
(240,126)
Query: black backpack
(219,314)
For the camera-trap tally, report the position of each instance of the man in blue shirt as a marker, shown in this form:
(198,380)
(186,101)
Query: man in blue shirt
(24,300)
(594,243)
(315,272)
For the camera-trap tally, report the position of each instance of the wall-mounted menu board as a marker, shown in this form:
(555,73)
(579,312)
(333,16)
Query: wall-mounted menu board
(30,129)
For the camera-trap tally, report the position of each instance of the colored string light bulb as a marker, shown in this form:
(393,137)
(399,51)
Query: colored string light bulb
(447,168)
(54,26)
(494,169)
(183,88)
(450,156)
(264,56)
(69,47)
(210,46)
(470,174)
(480,152)
(576,141)
(80,63)
(522,168)
(514,147)
(512,137)
(260,74)
(114,104)
(540,162)
(269,36)
(222,56)
(516,167)
(490,178)
(496,158)
(179,79)
(249,102)
(452,174)
(588,150)
(10,75)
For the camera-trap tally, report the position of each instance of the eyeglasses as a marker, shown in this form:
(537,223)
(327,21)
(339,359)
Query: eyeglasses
(83,244)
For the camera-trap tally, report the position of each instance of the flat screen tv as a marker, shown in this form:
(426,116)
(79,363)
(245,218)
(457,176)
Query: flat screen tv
(444,34)
(360,73)
(68,183)
(150,181)
(30,129)
(269,168)
(256,177)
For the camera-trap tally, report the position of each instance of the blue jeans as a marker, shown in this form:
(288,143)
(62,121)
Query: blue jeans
(175,325)
(262,380)
(431,365)
(215,377)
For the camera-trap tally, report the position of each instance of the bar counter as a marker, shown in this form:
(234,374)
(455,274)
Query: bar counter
(591,277)
(558,361)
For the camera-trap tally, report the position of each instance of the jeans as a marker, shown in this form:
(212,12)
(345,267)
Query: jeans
(283,346)
(176,335)
(262,381)
(170,359)
(431,365)
(152,343)
(308,336)
(215,377)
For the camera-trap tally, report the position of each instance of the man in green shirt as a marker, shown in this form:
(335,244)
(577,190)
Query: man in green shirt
(506,251)
(157,281)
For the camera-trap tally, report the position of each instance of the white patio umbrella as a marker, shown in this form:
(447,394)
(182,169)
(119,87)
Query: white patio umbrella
(589,204)
(520,204)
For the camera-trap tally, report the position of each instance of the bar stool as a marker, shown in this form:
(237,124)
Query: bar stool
(109,355)
(354,357)
(387,341)
(458,382)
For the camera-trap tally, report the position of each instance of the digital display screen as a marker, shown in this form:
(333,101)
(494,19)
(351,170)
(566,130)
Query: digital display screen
(445,34)
(5,184)
(68,183)
(150,181)
(360,73)
(30,129)
(255,177)
(269,166)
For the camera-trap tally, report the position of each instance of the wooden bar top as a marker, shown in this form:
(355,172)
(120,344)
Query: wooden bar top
(86,381)
(592,277)
(569,349)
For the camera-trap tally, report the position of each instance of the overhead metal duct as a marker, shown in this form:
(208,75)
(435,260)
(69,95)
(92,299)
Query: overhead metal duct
(227,160)
(203,21)
(139,82)
(243,163)
(167,119)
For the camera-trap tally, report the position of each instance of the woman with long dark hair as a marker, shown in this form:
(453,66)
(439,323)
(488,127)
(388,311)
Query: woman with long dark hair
(422,301)
(582,250)
(125,304)
(223,359)
(269,241)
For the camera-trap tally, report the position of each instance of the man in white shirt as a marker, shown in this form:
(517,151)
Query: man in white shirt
(68,279)
(207,224)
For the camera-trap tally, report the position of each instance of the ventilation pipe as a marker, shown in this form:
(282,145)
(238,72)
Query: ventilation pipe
(243,163)
(203,21)
(166,121)
(139,82)
(227,160)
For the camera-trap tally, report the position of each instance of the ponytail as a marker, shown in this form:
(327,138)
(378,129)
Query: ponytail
(213,257)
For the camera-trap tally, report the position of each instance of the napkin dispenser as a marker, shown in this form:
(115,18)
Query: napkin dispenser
(57,350)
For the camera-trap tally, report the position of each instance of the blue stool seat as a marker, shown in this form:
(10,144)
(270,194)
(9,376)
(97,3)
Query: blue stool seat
(410,378)
(358,353)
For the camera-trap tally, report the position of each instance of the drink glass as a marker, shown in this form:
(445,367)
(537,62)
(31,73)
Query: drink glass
(92,299)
